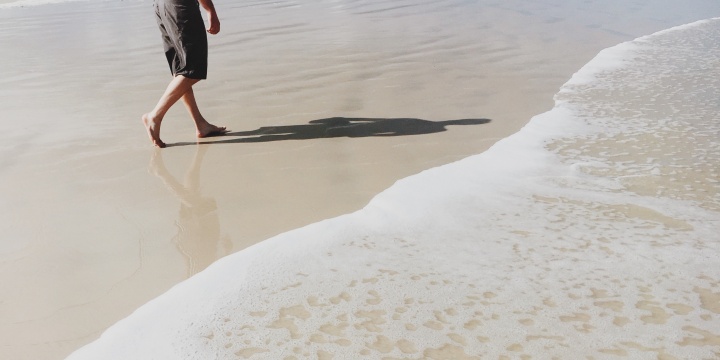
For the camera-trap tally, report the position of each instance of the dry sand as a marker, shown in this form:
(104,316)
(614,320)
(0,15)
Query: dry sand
(96,222)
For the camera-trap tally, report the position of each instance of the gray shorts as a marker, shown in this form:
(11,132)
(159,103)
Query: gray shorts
(184,37)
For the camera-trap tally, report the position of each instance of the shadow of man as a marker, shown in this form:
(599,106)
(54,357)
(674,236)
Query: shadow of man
(346,127)
(198,236)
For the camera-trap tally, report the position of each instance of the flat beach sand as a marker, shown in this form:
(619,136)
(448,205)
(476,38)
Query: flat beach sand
(329,103)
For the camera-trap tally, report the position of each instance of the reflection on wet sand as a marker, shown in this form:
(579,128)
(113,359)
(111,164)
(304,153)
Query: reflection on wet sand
(198,238)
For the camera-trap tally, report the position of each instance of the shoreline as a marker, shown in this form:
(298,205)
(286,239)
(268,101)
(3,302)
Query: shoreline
(588,258)
(119,226)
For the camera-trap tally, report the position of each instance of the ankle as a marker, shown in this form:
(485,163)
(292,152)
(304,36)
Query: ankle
(155,117)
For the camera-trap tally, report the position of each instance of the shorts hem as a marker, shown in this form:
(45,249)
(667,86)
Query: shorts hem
(191,75)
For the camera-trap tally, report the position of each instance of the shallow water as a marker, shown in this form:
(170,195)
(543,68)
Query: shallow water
(95,223)
(590,233)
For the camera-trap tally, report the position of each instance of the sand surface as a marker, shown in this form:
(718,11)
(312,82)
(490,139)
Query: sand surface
(329,103)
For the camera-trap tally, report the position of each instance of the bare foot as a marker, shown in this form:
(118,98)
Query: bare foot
(211,130)
(153,130)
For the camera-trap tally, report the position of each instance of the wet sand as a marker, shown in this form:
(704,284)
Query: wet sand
(328,104)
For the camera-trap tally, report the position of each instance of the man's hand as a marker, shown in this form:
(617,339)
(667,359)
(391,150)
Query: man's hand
(214,27)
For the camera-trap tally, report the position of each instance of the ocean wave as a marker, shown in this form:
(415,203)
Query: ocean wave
(544,244)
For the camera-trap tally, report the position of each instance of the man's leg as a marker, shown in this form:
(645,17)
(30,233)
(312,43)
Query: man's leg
(175,90)
(204,128)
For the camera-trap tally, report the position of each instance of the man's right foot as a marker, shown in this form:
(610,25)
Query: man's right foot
(153,130)
(210,130)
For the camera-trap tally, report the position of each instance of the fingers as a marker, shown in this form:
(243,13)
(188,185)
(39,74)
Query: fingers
(214,27)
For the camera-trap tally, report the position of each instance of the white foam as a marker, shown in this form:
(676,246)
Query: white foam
(539,246)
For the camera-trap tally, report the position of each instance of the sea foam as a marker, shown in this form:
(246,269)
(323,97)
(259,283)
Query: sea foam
(591,232)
